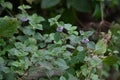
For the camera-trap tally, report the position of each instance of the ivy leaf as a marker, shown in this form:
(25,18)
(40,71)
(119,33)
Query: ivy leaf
(8,26)
(100,47)
(44,3)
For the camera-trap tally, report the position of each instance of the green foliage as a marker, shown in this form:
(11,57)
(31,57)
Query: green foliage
(8,26)
(7,5)
(100,47)
(33,53)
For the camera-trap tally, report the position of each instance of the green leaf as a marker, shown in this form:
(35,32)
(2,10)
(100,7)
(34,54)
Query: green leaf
(91,45)
(54,20)
(7,5)
(57,36)
(8,26)
(19,45)
(94,77)
(89,33)
(49,3)
(94,61)
(61,64)
(70,46)
(67,26)
(2,42)
(62,78)
(32,41)
(22,7)
(35,18)
(97,12)
(84,70)
(71,77)
(78,58)
(17,53)
(100,47)
(110,60)
(80,48)
(28,31)
(10,76)
(38,36)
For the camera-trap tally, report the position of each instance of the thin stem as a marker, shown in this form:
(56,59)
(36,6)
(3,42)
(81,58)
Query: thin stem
(9,12)
(102,10)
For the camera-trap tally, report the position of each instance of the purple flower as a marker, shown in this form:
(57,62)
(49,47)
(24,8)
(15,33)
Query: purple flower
(85,40)
(23,19)
(59,29)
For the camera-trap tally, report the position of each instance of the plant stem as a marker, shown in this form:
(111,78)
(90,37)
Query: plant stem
(102,10)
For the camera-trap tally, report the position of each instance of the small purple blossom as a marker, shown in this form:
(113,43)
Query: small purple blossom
(85,40)
(59,29)
(23,19)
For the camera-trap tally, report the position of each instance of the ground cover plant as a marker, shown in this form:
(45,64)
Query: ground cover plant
(47,45)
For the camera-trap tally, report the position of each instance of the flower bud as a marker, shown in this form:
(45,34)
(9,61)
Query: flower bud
(85,40)
(59,29)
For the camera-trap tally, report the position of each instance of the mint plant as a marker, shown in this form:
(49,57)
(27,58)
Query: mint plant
(29,53)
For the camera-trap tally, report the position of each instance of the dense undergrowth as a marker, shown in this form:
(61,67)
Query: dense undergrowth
(35,47)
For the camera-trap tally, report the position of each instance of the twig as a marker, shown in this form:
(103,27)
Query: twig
(78,19)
